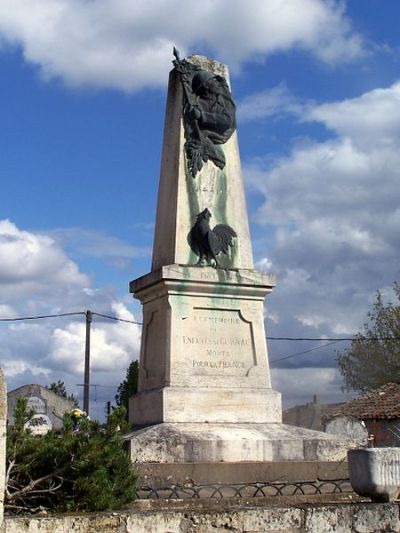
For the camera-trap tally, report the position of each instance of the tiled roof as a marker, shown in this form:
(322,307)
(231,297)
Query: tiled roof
(377,404)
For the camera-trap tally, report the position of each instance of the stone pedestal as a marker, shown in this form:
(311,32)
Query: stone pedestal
(204,354)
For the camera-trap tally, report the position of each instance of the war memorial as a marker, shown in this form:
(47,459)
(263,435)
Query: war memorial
(205,393)
(205,414)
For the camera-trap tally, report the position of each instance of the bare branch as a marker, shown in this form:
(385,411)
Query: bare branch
(36,482)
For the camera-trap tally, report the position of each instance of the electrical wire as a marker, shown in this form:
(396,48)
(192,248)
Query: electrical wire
(303,352)
(310,339)
(118,319)
(39,317)
(335,339)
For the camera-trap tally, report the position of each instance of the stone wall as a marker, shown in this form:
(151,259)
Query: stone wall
(306,416)
(202,516)
(3,417)
(346,427)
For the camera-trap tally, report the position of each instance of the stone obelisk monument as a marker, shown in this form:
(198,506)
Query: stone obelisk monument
(204,383)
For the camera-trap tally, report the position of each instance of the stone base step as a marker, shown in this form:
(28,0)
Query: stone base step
(191,443)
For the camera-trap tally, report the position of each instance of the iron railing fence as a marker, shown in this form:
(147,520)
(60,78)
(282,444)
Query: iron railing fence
(246,490)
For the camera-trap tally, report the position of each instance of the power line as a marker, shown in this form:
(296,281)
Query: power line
(39,317)
(336,339)
(118,319)
(333,339)
(109,317)
(303,352)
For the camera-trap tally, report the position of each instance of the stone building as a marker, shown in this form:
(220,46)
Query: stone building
(324,417)
(48,406)
(309,415)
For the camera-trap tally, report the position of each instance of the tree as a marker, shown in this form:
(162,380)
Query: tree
(84,467)
(373,358)
(128,386)
(60,389)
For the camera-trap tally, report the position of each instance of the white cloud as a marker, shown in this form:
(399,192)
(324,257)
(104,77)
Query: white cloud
(128,45)
(98,244)
(113,345)
(37,277)
(264,265)
(332,209)
(17,367)
(294,383)
(371,120)
(6,311)
(272,102)
(26,257)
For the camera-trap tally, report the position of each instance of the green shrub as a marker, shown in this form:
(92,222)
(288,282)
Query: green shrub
(83,467)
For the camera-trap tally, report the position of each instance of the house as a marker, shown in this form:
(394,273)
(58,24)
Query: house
(49,407)
(377,410)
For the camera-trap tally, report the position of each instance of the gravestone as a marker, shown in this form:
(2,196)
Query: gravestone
(3,418)
(204,390)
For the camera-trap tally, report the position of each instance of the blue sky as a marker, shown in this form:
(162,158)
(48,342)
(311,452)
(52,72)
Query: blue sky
(82,108)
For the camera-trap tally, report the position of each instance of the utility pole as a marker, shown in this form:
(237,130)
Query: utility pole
(86,379)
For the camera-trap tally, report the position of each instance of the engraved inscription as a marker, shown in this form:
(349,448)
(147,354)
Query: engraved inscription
(213,276)
(208,276)
(37,404)
(218,341)
(218,364)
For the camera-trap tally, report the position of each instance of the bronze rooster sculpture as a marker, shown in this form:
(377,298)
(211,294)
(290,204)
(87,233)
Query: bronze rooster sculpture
(207,243)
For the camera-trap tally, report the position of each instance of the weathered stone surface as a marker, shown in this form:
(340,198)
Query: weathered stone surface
(375,472)
(329,519)
(207,517)
(3,418)
(377,517)
(347,427)
(359,518)
(179,443)
(203,353)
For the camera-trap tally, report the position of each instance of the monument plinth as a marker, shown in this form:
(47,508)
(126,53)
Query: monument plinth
(204,354)
(204,391)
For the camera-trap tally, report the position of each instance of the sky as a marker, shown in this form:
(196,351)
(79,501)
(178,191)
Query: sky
(82,102)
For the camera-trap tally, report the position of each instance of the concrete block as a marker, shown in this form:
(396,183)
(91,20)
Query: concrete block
(375,472)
